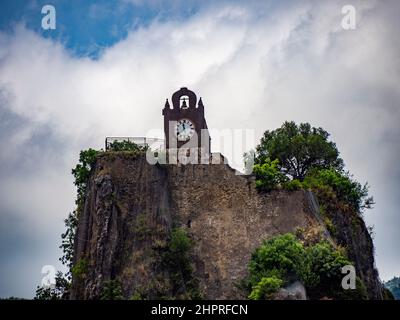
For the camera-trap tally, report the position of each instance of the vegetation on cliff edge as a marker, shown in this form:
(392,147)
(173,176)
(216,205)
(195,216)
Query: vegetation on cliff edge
(301,157)
(283,260)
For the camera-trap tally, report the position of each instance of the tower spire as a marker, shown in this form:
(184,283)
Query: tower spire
(201,103)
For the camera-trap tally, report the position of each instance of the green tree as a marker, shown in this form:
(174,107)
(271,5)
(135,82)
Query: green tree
(268,176)
(67,242)
(298,149)
(59,291)
(81,172)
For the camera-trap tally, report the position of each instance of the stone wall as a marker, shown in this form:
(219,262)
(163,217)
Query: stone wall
(228,220)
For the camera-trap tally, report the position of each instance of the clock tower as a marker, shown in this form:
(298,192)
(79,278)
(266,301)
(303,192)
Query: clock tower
(185,128)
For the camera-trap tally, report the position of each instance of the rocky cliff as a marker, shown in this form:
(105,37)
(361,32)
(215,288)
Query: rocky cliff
(131,207)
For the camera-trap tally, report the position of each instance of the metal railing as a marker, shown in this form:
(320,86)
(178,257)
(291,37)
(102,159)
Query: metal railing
(155,144)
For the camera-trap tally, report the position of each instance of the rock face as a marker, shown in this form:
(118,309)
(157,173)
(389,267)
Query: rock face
(132,206)
(294,291)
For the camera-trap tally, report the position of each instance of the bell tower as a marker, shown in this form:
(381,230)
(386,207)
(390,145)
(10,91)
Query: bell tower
(185,127)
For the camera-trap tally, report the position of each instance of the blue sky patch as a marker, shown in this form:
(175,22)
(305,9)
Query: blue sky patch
(87,27)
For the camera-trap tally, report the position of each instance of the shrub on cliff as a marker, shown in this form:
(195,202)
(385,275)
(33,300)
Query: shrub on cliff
(112,290)
(265,288)
(57,292)
(179,244)
(342,184)
(324,270)
(80,269)
(177,259)
(81,172)
(280,256)
(293,185)
(125,145)
(284,259)
(268,176)
(67,242)
(332,183)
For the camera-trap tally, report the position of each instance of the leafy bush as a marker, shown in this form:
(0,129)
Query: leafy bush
(268,176)
(87,159)
(59,291)
(179,244)
(67,242)
(177,260)
(265,288)
(284,259)
(125,145)
(293,185)
(280,256)
(80,269)
(177,256)
(136,296)
(333,183)
(324,265)
(345,188)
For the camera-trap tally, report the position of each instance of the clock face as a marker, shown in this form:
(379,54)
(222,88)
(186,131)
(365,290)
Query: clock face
(184,129)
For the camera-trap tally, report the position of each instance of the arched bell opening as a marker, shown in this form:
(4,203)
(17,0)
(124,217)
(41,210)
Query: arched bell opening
(184,102)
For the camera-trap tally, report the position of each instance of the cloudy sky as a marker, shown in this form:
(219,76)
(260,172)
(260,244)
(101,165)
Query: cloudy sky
(108,67)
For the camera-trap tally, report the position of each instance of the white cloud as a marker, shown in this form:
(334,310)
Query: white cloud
(253,68)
